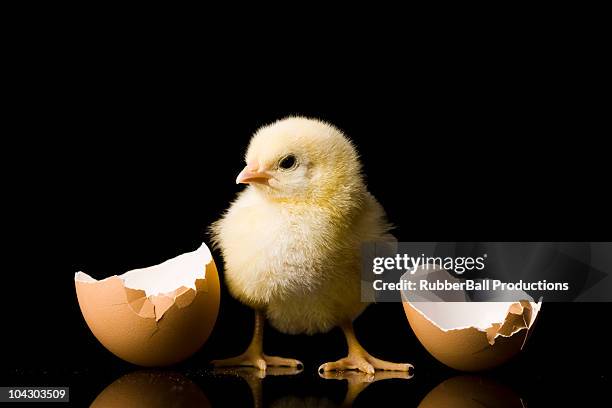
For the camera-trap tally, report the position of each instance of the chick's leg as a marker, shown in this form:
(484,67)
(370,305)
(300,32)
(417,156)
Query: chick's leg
(359,359)
(254,355)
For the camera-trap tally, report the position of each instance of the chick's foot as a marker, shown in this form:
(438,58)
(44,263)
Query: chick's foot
(359,359)
(257,360)
(364,362)
(358,381)
(254,355)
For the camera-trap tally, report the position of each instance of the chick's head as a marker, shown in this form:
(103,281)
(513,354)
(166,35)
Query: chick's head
(301,160)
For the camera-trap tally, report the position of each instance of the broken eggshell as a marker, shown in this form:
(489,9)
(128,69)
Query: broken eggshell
(154,316)
(469,336)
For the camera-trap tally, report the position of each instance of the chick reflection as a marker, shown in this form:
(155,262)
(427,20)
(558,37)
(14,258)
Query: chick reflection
(151,389)
(471,391)
(357,382)
(254,376)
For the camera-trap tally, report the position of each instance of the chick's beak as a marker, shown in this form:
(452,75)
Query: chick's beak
(252,174)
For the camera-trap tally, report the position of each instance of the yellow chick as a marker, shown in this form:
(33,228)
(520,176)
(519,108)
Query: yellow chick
(291,240)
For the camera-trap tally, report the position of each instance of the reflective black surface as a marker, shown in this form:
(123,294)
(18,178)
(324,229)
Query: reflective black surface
(123,162)
(132,386)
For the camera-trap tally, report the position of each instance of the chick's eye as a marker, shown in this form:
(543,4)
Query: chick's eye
(287,162)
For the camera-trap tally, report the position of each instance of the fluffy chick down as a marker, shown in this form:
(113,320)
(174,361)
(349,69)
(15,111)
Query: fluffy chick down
(293,250)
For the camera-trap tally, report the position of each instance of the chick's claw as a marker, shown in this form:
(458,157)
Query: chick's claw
(348,363)
(282,361)
(358,377)
(260,361)
(364,363)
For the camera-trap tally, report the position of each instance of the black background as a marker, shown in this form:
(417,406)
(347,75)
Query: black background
(121,157)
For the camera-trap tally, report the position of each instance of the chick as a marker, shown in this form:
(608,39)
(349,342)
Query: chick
(291,240)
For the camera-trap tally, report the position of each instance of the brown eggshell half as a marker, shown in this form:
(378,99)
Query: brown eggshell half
(466,349)
(466,335)
(154,330)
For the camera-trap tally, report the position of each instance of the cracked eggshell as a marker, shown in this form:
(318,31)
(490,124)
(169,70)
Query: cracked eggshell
(154,316)
(471,336)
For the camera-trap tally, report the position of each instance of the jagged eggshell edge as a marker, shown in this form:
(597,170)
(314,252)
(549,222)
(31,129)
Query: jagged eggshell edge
(150,331)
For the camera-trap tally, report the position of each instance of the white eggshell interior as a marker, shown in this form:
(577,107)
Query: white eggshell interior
(456,315)
(462,315)
(165,277)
